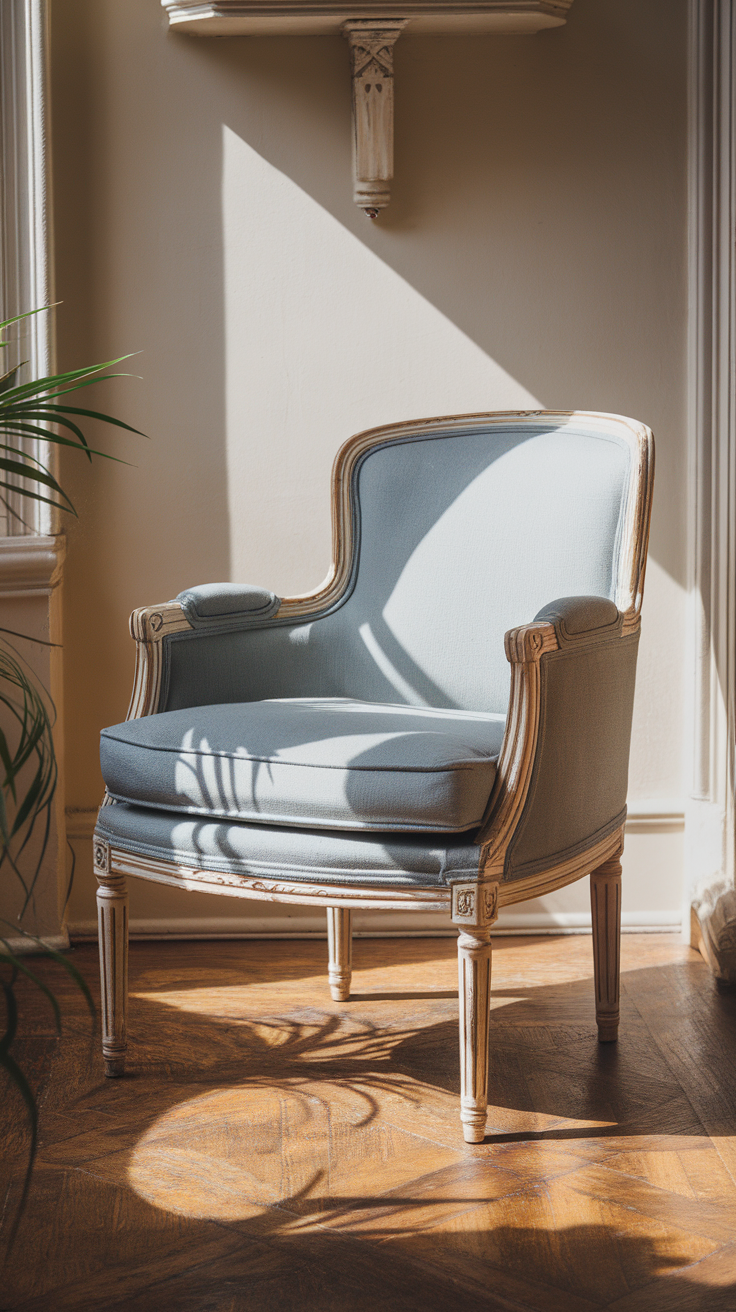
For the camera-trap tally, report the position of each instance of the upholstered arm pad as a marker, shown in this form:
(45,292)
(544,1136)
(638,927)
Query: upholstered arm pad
(579,764)
(216,604)
(582,619)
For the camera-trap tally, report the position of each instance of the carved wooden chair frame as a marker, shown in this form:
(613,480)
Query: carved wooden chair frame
(473,906)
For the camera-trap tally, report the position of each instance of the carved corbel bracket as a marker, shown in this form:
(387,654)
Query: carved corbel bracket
(372,28)
(372,59)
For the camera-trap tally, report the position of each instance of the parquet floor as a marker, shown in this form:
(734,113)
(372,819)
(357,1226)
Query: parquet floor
(271,1149)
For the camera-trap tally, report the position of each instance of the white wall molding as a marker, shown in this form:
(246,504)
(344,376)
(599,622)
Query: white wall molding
(31,566)
(656,816)
(26,249)
(709,842)
(31,554)
(81,821)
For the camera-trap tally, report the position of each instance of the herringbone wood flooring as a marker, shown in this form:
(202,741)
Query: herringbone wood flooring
(271,1149)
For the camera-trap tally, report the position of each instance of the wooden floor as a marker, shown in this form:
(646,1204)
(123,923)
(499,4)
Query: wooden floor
(271,1149)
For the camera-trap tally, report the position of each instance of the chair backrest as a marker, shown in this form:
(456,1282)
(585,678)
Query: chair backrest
(454,531)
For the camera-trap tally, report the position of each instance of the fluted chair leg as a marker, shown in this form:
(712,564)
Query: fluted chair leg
(340,940)
(605,903)
(474,909)
(112,920)
(474,983)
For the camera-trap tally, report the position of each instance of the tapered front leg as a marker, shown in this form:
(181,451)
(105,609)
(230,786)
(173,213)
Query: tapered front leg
(474,909)
(340,940)
(605,904)
(474,981)
(112,920)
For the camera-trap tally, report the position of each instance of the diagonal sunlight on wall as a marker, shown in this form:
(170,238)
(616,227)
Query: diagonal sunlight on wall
(323,340)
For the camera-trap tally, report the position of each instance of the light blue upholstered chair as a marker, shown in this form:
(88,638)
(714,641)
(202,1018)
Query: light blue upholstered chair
(443,725)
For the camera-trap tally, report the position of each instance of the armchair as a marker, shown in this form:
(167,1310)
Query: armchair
(368,745)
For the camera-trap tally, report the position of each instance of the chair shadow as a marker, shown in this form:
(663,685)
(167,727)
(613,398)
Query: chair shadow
(315,1246)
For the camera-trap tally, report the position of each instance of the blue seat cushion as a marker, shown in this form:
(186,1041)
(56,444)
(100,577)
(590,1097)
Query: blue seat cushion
(329,763)
(310,856)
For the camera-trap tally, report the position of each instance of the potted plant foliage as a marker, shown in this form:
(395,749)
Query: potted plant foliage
(36,410)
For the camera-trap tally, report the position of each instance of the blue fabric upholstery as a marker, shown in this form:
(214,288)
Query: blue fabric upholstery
(459,538)
(392,860)
(383,714)
(328,763)
(221,604)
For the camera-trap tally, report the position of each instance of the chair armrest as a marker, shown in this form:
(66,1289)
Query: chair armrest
(206,609)
(216,605)
(582,619)
(562,773)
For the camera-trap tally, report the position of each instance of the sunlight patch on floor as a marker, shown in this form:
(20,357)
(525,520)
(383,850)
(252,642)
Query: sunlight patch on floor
(322,1149)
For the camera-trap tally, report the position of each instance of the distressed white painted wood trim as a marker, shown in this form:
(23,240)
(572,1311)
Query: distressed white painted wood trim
(710,832)
(26,280)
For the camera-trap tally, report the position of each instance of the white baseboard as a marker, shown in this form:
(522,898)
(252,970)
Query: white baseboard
(21,946)
(388,925)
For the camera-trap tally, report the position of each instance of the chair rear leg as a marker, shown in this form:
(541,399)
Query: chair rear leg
(340,940)
(605,904)
(112,920)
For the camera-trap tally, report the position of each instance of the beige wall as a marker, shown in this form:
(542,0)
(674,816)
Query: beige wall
(534,253)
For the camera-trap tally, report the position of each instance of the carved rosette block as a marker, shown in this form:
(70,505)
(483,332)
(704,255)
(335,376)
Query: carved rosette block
(605,905)
(340,941)
(372,57)
(112,920)
(475,905)
(474,909)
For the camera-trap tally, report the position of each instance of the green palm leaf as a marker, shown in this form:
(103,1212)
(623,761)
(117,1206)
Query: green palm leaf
(33,411)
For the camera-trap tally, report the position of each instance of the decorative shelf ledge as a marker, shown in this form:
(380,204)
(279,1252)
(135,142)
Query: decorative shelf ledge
(284,18)
(372,29)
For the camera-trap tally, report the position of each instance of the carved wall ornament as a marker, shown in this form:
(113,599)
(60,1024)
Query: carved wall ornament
(372,58)
(372,30)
